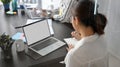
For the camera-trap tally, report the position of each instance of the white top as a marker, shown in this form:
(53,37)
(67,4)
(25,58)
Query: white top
(88,52)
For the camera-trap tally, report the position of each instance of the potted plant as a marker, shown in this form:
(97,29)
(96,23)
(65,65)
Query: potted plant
(6,46)
(6,4)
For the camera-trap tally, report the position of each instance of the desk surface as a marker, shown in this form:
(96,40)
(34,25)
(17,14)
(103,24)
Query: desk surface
(7,24)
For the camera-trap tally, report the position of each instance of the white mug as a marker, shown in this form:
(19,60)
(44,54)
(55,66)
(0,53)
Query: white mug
(20,46)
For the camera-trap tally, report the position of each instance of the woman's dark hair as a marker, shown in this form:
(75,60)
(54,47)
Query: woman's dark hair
(85,13)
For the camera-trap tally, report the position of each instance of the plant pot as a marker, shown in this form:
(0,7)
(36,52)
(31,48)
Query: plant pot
(6,7)
(7,54)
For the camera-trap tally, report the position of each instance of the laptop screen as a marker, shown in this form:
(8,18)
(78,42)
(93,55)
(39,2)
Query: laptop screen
(36,31)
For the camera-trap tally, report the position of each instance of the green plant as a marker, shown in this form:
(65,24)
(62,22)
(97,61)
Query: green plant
(6,42)
(6,1)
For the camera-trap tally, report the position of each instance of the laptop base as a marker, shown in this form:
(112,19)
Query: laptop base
(33,54)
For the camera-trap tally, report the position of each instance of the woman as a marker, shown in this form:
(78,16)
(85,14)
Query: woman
(91,49)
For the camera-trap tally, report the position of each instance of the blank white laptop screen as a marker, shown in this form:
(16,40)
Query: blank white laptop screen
(36,32)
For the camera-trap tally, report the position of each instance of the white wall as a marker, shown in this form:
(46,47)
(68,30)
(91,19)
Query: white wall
(111,9)
(113,28)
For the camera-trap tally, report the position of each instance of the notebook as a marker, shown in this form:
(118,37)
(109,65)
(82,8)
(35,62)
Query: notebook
(71,41)
(39,39)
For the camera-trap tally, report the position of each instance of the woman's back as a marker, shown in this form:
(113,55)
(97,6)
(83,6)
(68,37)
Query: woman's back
(92,53)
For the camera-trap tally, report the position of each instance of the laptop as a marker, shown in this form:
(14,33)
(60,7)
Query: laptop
(39,39)
(31,14)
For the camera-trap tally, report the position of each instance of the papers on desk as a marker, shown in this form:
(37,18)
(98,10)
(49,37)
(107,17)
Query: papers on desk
(62,62)
(18,36)
(72,41)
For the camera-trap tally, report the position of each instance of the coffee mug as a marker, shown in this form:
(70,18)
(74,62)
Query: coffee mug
(20,46)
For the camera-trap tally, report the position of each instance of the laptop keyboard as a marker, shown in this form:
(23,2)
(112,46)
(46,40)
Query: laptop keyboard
(49,49)
(47,46)
(44,44)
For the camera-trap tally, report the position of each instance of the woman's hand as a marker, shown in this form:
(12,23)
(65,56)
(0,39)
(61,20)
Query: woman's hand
(76,35)
(70,47)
